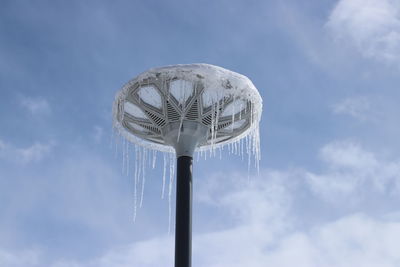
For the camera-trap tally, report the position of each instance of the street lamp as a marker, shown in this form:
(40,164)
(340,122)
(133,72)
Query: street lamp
(183,109)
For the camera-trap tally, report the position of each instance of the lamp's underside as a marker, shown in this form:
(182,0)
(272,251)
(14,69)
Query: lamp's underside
(207,104)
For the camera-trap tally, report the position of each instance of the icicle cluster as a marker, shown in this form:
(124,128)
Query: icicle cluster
(146,158)
(218,84)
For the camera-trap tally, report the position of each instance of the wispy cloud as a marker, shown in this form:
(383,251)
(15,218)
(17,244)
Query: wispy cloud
(266,219)
(372,26)
(355,240)
(33,153)
(354,174)
(357,107)
(35,105)
(347,154)
(22,258)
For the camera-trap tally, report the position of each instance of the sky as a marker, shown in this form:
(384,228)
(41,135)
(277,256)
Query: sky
(329,184)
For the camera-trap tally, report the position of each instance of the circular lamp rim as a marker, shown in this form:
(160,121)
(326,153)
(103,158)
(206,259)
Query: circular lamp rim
(209,75)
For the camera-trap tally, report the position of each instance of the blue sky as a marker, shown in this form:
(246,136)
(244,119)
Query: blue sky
(329,183)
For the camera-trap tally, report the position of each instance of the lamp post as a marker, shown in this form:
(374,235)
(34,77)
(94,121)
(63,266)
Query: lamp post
(182,108)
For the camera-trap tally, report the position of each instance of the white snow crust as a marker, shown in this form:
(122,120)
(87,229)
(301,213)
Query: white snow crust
(218,83)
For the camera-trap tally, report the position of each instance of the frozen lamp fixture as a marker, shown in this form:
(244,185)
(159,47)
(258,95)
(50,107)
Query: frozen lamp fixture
(186,108)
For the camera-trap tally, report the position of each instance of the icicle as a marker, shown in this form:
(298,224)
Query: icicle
(235,149)
(137,162)
(123,154)
(164,174)
(116,144)
(153,165)
(143,175)
(171,182)
(249,159)
(127,158)
(242,147)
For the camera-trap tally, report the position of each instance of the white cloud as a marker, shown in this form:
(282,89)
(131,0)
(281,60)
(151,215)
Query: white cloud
(36,152)
(349,155)
(357,107)
(372,26)
(33,153)
(23,258)
(237,196)
(352,173)
(355,240)
(38,105)
(351,240)
(266,220)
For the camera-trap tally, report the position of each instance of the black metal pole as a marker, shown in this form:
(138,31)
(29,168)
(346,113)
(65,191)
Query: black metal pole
(183,225)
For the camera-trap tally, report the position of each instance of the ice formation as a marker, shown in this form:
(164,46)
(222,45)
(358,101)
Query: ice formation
(225,102)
